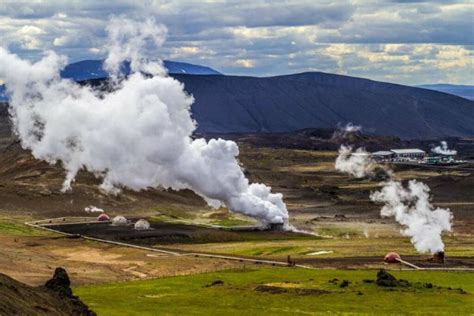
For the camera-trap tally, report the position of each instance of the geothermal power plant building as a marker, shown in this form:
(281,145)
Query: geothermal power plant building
(398,154)
(413,153)
(382,155)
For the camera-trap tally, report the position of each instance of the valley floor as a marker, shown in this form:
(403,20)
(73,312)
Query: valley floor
(351,240)
(285,291)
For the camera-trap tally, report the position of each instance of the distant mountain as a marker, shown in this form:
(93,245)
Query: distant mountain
(232,104)
(281,104)
(464,91)
(92,69)
(190,69)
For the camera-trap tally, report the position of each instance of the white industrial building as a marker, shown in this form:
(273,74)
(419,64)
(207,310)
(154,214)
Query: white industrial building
(408,154)
(383,155)
(394,155)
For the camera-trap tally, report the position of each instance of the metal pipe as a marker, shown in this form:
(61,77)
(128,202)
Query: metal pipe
(408,263)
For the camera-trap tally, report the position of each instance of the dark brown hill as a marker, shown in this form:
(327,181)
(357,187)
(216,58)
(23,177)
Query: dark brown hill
(54,298)
(233,104)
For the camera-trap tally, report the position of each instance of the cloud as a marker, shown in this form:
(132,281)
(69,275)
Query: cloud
(416,62)
(403,41)
(28,36)
(246,63)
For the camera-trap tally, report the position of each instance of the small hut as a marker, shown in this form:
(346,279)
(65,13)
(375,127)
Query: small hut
(119,221)
(103,217)
(142,224)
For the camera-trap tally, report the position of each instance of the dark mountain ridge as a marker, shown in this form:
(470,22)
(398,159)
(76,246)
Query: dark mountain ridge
(93,69)
(234,104)
(464,91)
(282,104)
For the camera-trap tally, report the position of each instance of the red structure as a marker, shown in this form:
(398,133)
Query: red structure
(392,257)
(103,217)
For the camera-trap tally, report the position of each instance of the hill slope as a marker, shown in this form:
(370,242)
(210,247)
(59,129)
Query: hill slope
(233,104)
(463,91)
(226,104)
(55,298)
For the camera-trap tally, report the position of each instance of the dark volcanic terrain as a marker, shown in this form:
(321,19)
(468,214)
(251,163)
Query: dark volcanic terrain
(54,298)
(282,104)
(232,104)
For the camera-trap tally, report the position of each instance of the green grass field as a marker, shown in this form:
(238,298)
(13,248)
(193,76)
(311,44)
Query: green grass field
(304,292)
(340,247)
(13,228)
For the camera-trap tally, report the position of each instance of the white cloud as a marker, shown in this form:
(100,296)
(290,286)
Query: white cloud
(246,63)
(406,42)
(29,36)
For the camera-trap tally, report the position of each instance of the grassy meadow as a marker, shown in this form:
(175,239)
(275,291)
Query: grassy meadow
(285,291)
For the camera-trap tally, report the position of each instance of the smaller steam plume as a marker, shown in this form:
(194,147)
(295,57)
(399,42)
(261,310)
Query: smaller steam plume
(93,209)
(356,163)
(443,149)
(344,131)
(411,208)
(351,128)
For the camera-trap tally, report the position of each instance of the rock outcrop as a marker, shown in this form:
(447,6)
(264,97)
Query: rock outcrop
(54,298)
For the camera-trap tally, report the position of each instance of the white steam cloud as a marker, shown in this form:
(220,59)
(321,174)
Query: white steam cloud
(93,209)
(344,131)
(351,128)
(358,164)
(138,136)
(443,149)
(411,208)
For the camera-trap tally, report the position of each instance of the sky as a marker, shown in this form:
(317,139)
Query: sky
(402,41)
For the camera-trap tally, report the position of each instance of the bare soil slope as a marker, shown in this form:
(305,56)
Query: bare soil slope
(54,298)
(29,186)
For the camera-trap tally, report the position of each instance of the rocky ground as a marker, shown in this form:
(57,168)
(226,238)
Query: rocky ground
(55,297)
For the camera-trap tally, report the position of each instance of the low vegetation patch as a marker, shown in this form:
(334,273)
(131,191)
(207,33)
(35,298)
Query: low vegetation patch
(18,229)
(285,291)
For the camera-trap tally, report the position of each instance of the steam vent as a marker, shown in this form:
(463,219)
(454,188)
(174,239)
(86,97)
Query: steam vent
(438,257)
(276,227)
(392,257)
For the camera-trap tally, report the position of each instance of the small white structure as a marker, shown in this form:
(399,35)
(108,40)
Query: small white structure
(119,221)
(142,224)
(409,154)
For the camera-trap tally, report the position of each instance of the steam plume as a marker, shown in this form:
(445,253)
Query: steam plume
(351,128)
(137,136)
(93,209)
(443,149)
(346,130)
(357,164)
(411,208)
